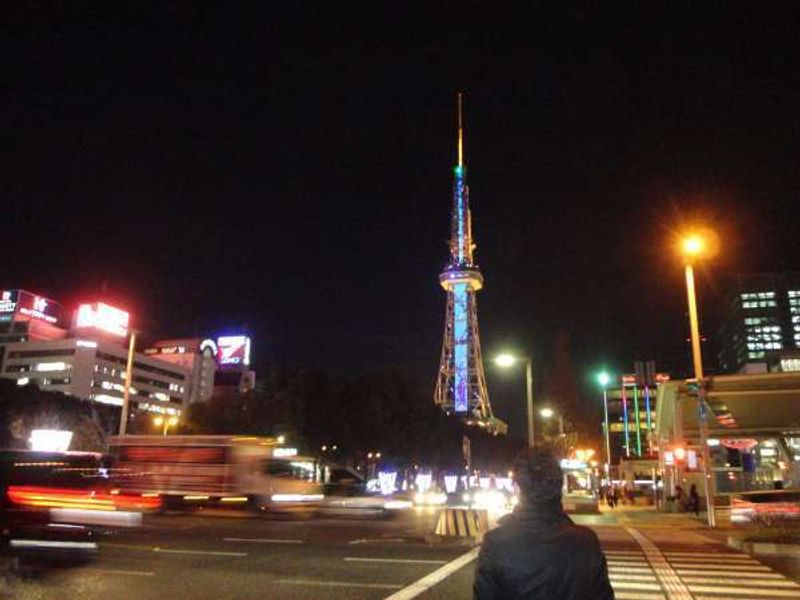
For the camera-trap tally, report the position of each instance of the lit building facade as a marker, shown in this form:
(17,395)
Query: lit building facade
(197,356)
(632,412)
(761,319)
(94,369)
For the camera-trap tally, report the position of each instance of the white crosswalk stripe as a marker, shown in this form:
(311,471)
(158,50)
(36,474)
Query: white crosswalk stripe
(706,573)
(736,592)
(735,581)
(720,566)
(759,575)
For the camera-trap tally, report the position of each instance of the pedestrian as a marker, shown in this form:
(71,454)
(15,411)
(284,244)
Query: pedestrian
(680,499)
(537,552)
(694,500)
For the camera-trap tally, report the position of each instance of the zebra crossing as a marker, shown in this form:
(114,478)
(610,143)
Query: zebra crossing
(641,570)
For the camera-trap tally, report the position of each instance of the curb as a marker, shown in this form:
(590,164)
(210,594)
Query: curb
(764,547)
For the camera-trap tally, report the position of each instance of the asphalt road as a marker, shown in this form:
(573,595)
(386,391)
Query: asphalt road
(212,557)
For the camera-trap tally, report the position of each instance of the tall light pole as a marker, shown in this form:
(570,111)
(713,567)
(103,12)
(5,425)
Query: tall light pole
(123,418)
(604,379)
(509,360)
(693,247)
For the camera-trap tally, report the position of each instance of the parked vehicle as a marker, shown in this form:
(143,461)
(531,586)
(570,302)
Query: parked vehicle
(193,470)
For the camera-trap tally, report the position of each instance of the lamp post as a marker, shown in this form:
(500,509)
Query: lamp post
(123,418)
(693,247)
(604,379)
(508,360)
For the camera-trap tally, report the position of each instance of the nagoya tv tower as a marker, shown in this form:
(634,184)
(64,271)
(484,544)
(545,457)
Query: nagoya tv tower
(461,383)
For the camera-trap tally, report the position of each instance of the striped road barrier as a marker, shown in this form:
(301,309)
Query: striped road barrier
(465,523)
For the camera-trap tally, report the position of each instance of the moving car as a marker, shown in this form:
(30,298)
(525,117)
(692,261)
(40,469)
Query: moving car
(52,503)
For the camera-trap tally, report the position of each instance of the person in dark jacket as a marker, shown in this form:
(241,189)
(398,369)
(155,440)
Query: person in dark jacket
(537,552)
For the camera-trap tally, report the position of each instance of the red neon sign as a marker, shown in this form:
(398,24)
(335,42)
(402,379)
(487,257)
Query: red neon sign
(104,317)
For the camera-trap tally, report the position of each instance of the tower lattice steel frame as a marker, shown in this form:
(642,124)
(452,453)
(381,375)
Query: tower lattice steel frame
(461,382)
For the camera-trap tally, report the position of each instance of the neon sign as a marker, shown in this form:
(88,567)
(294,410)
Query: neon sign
(30,305)
(104,317)
(233,350)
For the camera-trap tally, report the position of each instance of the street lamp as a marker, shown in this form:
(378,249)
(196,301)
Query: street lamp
(167,422)
(548,413)
(509,360)
(126,391)
(694,247)
(604,379)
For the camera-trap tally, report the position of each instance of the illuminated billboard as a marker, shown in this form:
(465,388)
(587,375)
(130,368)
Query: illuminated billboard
(233,351)
(20,302)
(103,317)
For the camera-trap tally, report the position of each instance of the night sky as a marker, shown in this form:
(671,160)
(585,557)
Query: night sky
(290,171)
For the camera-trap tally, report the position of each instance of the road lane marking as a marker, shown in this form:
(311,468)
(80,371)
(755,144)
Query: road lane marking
(422,585)
(172,550)
(198,552)
(395,560)
(638,596)
(118,572)
(262,540)
(672,584)
(734,580)
(737,591)
(321,583)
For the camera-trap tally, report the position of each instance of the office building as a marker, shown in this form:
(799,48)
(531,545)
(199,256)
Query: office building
(761,319)
(197,356)
(94,369)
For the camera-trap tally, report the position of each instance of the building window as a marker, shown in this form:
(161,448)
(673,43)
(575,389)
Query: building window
(41,353)
(763,333)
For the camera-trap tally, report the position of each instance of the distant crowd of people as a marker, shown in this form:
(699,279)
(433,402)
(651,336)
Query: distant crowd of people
(613,494)
(690,503)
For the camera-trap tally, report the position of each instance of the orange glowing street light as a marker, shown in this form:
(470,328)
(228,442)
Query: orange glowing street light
(167,422)
(694,246)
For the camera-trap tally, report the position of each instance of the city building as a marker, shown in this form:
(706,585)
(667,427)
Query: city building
(94,368)
(85,355)
(761,319)
(632,412)
(753,433)
(197,355)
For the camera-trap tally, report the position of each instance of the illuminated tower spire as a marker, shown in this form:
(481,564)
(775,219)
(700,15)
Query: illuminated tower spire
(461,382)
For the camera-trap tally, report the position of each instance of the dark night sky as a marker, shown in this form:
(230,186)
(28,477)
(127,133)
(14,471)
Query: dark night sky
(292,170)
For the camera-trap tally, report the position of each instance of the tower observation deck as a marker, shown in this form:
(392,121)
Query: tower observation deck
(461,382)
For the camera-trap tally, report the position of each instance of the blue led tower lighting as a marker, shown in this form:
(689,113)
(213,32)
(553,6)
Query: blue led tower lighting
(461,382)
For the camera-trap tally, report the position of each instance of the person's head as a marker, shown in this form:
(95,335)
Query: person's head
(538,476)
